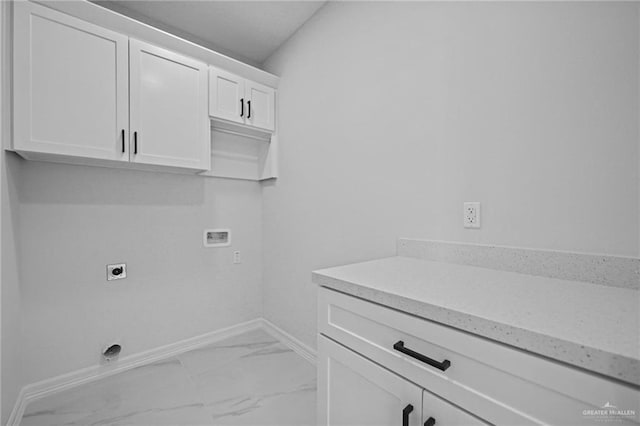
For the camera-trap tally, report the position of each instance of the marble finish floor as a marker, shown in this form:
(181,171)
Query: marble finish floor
(249,379)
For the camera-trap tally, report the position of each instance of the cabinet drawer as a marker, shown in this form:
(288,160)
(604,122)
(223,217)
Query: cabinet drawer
(353,391)
(501,384)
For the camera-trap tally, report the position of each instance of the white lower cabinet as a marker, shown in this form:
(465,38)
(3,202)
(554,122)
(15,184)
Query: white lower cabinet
(355,391)
(374,361)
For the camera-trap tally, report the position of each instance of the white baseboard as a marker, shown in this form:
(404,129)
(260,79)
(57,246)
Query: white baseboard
(47,387)
(18,409)
(287,339)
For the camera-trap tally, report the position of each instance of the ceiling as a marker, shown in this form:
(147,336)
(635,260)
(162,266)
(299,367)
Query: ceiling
(249,31)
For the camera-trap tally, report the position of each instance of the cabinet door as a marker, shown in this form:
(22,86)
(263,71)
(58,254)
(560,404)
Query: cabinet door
(260,105)
(354,391)
(168,107)
(227,96)
(70,86)
(437,411)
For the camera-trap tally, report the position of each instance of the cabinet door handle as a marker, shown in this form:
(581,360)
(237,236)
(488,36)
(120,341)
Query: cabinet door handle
(430,422)
(241,107)
(135,142)
(123,147)
(249,106)
(405,414)
(399,346)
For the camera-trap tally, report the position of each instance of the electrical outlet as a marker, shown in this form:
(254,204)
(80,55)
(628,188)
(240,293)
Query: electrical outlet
(236,257)
(471,214)
(116,271)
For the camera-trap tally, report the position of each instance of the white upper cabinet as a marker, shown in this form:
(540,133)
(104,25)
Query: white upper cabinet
(168,108)
(260,105)
(242,101)
(226,96)
(70,86)
(85,94)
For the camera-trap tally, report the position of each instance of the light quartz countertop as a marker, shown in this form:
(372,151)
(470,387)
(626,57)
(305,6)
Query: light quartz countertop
(591,326)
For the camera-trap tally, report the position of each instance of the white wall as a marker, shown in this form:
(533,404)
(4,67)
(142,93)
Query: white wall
(392,114)
(62,224)
(12,378)
(75,219)
(10,366)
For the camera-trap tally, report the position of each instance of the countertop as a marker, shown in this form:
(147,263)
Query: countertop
(591,326)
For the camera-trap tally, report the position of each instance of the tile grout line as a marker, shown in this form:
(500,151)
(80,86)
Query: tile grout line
(196,389)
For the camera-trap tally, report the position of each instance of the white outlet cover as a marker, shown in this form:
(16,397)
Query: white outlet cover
(471,214)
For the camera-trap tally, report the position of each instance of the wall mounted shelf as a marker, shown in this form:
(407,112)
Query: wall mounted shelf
(242,153)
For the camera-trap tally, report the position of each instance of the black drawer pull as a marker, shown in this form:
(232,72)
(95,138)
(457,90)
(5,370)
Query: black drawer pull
(123,147)
(135,142)
(430,422)
(241,107)
(405,414)
(249,107)
(399,346)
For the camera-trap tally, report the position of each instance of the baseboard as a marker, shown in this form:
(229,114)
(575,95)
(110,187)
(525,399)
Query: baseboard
(18,409)
(288,340)
(47,387)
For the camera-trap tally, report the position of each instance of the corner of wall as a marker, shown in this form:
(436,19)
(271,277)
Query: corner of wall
(10,307)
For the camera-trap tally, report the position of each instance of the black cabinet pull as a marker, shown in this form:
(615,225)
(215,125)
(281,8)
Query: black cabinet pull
(123,147)
(135,142)
(241,107)
(430,422)
(405,414)
(399,346)
(249,106)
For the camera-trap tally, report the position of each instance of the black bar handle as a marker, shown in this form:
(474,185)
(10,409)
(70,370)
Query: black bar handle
(405,414)
(135,142)
(241,107)
(399,346)
(249,105)
(123,147)
(430,422)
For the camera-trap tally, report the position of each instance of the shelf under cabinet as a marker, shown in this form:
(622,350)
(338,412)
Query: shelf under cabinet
(239,153)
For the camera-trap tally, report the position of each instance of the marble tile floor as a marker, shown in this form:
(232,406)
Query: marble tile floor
(251,379)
